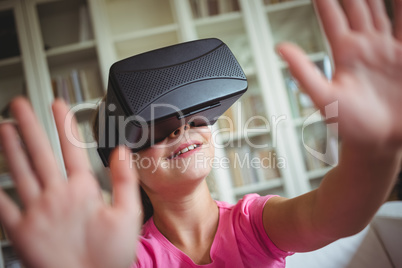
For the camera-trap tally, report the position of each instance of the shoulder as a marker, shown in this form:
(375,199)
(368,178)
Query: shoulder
(149,248)
(245,219)
(251,203)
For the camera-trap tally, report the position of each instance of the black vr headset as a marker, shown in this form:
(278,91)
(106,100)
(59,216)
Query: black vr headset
(152,94)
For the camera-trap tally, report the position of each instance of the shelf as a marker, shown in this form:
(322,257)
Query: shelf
(85,108)
(126,16)
(71,53)
(5,243)
(298,25)
(218,19)
(298,122)
(11,67)
(130,47)
(286,5)
(258,187)
(72,48)
(235,136)
(5,181)
(64,22)
(10,61)
(219,26)
(145,33)
(318,173)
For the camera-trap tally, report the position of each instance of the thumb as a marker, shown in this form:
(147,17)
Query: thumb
(126,194)
(306,73)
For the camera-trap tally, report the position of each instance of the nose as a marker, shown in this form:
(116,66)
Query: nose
(179,131)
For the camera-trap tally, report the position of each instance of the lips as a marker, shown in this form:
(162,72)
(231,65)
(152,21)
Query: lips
(185,148)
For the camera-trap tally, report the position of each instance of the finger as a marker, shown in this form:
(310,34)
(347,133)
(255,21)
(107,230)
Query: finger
(358,15)
(21,171)
(332,18)
(10,214)
(75,157)
(36,141)
(379,16)
(124,180)
(398,19)
(306,73)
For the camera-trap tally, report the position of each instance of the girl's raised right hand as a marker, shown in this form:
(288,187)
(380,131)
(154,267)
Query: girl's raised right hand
(65,223)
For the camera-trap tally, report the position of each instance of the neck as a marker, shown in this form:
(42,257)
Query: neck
(187,219)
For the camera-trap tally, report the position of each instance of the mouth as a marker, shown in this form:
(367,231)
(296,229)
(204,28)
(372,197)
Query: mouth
(186,150)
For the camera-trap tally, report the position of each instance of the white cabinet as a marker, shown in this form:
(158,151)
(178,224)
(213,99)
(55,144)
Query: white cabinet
(45,44)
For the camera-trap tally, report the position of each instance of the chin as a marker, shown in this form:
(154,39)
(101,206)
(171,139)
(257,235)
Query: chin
(196,173)
(192,170)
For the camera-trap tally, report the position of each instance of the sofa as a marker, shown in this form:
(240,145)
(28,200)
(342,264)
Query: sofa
(379,245)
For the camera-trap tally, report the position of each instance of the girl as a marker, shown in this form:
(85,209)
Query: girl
(76,229)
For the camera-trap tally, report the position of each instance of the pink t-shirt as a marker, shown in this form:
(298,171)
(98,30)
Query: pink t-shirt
(240,241)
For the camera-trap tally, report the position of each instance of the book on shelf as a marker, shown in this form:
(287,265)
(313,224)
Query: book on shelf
(306,105)
(226,6)
(292,90)
(78,86)
(312,162)
(300,103)
(249,109)
(2,233)
(213,7)
(254,110)
(3,164)
(86,135)
(268,164)
(90,84)
(243,173)
(85,27)
(63,89)
(226,121)
(237,178)
(11,258)
(206,8)
(13,195)
(233,119)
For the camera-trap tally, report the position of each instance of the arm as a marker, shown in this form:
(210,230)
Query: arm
(65,224)
(367,84)
(343,205)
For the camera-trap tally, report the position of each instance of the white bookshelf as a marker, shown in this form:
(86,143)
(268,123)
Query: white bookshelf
(318,173)
(258,187)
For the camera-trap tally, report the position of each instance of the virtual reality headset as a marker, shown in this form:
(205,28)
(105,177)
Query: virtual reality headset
(152,94)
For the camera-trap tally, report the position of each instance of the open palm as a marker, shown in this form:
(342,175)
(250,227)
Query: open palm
(65,223)
(367,83)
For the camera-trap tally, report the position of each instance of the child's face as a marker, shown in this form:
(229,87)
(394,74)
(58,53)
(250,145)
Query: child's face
(183,158)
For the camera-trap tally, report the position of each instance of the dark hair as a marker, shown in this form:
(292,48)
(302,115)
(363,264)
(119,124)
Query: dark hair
(147,207)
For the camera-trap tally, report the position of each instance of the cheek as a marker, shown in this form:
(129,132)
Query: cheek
(148,162)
